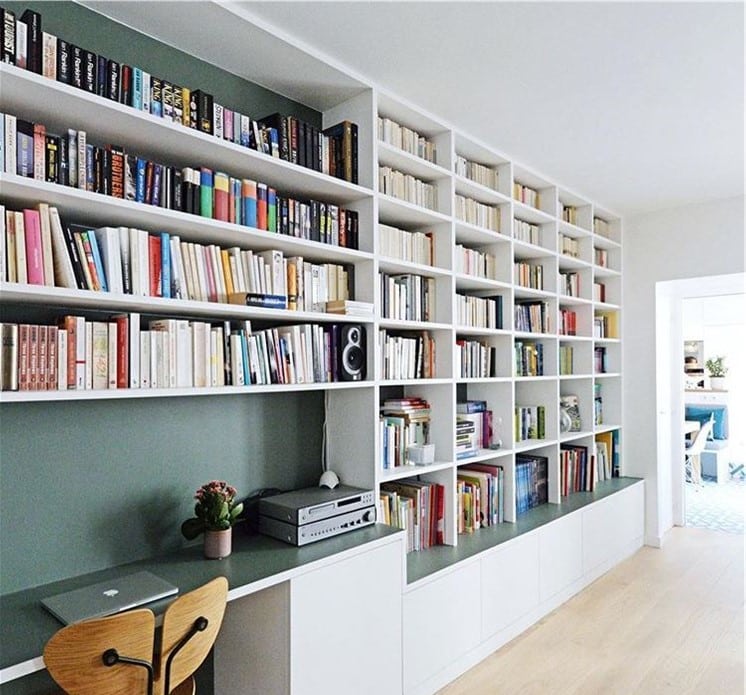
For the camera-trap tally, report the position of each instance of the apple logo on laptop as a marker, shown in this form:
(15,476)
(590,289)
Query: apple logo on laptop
(111,592)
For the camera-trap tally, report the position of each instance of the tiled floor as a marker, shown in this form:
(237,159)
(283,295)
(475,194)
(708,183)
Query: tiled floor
(717,506)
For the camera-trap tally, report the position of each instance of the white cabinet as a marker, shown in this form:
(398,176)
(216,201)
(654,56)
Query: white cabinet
(560,555)
(346,626)
(510,583)
(441,623)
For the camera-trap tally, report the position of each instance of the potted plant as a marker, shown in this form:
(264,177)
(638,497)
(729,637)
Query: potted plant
(215,512)
(717,370)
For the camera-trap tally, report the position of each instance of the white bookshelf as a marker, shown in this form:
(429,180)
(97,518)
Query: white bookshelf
(353,442)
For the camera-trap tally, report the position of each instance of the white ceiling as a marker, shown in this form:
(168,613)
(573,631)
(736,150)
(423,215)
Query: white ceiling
(637,106)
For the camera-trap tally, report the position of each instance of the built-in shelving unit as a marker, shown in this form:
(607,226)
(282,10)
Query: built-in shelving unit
(489,223)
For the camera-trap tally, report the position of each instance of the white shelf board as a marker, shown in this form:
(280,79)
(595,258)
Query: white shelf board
(394,211)
(396,158)
(388,264)
(467,233)
(411,470)
(472,282)
(573,230)
(528,213)
(477,191)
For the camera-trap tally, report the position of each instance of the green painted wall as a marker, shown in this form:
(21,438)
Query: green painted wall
(91,484)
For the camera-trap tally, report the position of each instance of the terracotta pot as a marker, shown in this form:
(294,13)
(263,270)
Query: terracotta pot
(218,544)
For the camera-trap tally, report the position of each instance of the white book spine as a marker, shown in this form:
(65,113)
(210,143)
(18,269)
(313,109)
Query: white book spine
(10,144)
(88,352)
(62,360)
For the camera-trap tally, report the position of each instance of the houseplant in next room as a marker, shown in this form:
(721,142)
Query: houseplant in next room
(717,370)
(215,512)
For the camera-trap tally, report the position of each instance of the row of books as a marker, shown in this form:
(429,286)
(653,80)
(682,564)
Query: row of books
(473,262)
(599,291)
(403,423)
(569,213)
(407,139)
(479,173)
(568,246)
(418,507)
(479,214)
(530,422)
(600,365)
(474,427)
(531,481)
(601,257)
(70,160)
(83,354)
(479,312)
(525,194)
(332,151)
(568,321)
(407,297)
(526,232)
(577,469)
(480,496)
(409,355)
(475,359)
(529,275)
(601,227)
(566,360)
(598,405)
(606,325)
(529,358)
(407,187)
(413,247)
(531,316)
(41,250)
(569,283)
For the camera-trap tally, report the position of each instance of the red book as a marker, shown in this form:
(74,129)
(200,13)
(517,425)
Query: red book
(34,257)
(221,184)
(24,345)
(123,346)
(88,251)
(155,267)
(261,206)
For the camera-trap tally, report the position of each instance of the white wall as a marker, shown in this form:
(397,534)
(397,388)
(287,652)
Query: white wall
(694,241)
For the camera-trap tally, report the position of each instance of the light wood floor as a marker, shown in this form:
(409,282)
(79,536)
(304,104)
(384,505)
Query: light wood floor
(667,620)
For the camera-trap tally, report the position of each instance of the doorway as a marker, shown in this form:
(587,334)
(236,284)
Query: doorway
(670,382)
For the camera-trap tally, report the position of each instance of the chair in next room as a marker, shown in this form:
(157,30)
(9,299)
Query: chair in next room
(692,469)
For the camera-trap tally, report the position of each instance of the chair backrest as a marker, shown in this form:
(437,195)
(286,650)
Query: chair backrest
(190,627)
(74,656)
(700,440)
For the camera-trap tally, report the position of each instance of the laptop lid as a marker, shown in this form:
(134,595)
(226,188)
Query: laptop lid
(105,598)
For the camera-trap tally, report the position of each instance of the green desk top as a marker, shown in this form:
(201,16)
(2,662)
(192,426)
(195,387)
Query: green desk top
(256,560)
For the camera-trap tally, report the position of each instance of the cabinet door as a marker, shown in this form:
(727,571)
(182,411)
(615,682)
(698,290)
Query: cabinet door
(510,583)
(441,623)
(561,555)
(611,528)
(346,626)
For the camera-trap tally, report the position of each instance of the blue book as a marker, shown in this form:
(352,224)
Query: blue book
(137,88)
(93,241)
(157,184)
(140,180)
(90,184)
(165,264)
(245,352)
(271,210)
(249,210)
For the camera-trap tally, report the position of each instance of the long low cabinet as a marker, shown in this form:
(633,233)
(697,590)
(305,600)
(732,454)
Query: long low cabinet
(456,618)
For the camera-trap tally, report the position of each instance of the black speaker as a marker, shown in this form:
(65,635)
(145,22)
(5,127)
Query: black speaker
(351,348)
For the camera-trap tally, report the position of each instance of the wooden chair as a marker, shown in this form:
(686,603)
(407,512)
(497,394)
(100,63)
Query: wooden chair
(104,656)
(190,627)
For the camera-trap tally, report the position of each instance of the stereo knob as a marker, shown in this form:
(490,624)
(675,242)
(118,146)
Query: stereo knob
(369,516)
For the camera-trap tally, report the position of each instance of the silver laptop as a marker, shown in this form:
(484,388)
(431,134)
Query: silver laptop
(104,598)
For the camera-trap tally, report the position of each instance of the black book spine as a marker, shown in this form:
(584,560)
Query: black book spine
(102,76)
(113,87)
(205,107)
(64,57)
(33,41)
(186,190)
(317,210)
(90,63)
(315,148)
(9,36)
(354,153)
(192,106)
(77,77)
(52,159)
(64,169)
(72,250)
(176,197)
(302,143)
(125,81)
